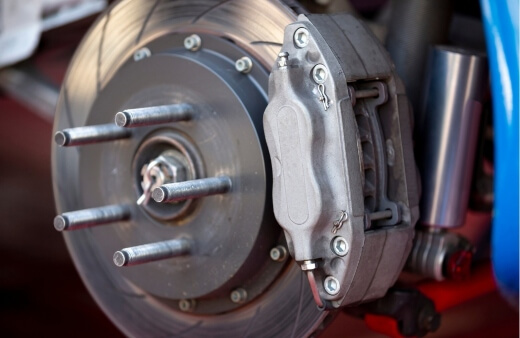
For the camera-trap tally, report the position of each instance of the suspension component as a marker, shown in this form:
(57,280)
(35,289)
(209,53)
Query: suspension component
(402,311)
(440,254)
(448,132)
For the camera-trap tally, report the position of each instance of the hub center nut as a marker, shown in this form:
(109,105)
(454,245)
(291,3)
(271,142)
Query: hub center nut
(165,168)
(165,157)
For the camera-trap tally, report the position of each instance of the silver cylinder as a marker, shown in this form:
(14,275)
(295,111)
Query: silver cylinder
(378,215)
(448,130)
(180,191)
(90,134)
(153,115)
(414,26)
(152,252)
(91,217)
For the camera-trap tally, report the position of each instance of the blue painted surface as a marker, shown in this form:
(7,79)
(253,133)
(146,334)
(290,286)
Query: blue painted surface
(501,27)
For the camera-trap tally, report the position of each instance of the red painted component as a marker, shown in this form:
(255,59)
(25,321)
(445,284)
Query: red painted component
(459,265)
(445,294)
(383,324)
(450,293)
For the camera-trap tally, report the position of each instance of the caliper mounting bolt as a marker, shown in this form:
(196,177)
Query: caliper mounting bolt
(339,246)
(301,37)
(331,285)
(319,73)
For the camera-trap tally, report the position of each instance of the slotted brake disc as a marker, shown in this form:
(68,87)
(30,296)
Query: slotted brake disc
(162,168)
(170,204)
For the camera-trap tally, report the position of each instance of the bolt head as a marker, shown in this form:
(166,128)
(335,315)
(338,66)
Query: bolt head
(244,65)
(301,37)
(319,74)
(61,138)
(60,223)
(278,253)
(142,53)
(120,258)
(192,42)
(459,265)
(339,246)
(331,285)
(238,296)
(187,305)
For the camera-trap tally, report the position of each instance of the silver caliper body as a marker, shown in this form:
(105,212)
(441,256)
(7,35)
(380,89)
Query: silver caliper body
(338,127)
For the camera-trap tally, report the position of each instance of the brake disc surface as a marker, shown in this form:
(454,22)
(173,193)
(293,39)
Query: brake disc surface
(134,57)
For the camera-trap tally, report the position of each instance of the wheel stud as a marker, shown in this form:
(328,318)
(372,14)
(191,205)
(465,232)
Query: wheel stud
(181,191)
(153,115)
(90,134)
(152,252)
(91,217)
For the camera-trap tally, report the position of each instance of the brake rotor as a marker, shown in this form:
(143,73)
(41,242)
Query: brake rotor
(223,280)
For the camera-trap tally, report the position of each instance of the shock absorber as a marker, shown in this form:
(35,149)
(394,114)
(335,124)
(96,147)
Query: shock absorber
(448,129)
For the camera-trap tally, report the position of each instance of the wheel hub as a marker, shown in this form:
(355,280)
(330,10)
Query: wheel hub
(165,156)
(218,139)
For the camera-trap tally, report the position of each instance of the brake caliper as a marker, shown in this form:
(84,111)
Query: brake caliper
(339,131)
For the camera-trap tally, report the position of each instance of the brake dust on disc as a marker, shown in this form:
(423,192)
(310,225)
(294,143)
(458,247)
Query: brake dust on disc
(207,249)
